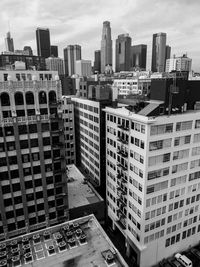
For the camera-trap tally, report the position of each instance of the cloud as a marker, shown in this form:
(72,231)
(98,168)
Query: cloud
(78,21)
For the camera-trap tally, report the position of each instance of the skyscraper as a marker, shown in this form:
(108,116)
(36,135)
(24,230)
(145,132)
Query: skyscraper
(97,61)
(123,52)
(71,54)
(28,50)
(139,56)
(43,42)
(167,52)
(158,52)
(54,50)
(9,43)
(106,46)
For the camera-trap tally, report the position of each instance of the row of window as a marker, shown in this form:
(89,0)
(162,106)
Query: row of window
(87,107)
(174,239)
(168,128)
(29,97)
(154,213)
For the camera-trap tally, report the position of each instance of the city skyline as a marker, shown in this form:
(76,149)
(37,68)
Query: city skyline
(85,24)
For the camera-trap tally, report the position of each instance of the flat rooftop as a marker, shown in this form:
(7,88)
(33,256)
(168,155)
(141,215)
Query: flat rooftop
(81,242)
(80,192)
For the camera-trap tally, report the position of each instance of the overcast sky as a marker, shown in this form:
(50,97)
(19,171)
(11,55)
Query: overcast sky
(80,22)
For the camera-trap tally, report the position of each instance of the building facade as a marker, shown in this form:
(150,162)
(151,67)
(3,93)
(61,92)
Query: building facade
(43,42)
(153,188)
(32,167)
(54,51)
(55,64)
(167,53)
(9,43)
(83,68)
(89,130)
(182,63)
(97,61)
(31,62)
(106,46)
(69,130)
(139,56)
(123,53)
(28,50)
(71,54)
(158,52)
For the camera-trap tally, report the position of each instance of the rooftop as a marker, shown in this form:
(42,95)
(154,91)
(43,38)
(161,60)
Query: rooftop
(80,192)
(81,242)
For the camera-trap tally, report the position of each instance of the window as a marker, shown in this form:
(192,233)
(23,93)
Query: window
(161,129)
(182,126)
(23,144)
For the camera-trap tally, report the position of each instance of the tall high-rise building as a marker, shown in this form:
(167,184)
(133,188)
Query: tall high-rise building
(123,52)
(106,46)
(71,54)
(55,63)
(54,51)
(43,42)
(97,61)
(158,52)
(32,167)
(139,56)
(167,52)
(9,43)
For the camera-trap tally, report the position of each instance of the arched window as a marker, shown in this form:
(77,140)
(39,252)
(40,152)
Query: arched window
(19,100)
(30,98)
(5,99)
(52,97)
(42,97)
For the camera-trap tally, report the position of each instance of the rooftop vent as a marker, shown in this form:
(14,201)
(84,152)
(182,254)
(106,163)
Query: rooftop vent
(3,263)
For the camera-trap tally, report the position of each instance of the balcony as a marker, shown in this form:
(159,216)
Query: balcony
(122,153)
(123,167)
(58,145)
(125,142)
(121,191)
(123,127)
(122,220)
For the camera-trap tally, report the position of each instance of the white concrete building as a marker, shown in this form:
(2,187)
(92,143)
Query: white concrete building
(132,86)
(55,63)
(83,68)
(126,86)
(69,130)
(153,186)
(182,63)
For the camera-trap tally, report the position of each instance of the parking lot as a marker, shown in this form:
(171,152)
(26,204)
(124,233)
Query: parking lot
(192,254)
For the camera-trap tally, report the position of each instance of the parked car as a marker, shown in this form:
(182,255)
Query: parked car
(183,260)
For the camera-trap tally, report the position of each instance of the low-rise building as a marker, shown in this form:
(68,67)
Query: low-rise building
(80,242)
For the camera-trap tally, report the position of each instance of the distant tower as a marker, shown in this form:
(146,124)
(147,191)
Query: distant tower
(139,56)
(54,51)
(97,61)
(106,46)
(43,42)
(28,50)
(158,52)
(71,54)
(9,43)
(123,52)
